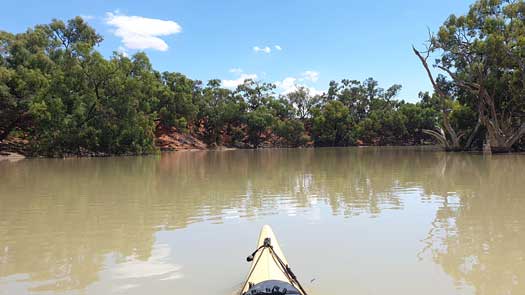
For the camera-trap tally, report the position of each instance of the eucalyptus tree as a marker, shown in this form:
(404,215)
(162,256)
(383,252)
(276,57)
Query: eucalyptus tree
(482,53)
(260,115)
(176,106)
(214,111)
(24,70)
(67,98)
(332,125)
(255,93)
(303,102)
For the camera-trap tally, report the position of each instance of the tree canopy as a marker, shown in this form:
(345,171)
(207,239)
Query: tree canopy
(482,59)
(63,96)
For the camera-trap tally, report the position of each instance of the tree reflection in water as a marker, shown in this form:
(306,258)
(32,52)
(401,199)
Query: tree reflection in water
(60,219)
(480,239)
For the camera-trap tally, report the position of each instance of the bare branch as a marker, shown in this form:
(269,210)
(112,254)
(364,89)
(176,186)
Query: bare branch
(443,96)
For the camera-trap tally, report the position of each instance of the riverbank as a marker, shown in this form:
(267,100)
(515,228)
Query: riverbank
(166,140)
(14,149)
(11,157)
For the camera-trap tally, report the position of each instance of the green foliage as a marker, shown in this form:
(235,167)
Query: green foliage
(332,125)
(66,98)
(382,128)
(418,117)
(255,94)
(303,102)
(292,131)
(237,136)
(365,113)
(258,121)
(176,103)
(281,108)
(462,117)
(71,100)
(483,53)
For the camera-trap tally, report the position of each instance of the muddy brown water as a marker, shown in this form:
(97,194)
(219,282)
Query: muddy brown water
(350,221)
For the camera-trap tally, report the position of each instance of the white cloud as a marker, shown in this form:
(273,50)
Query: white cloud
(311,76)
(155,266)
(122,50)
(291,84)
(265,49)
(287,85)
(236,82)
(236,70)
(314,91)
(139,32)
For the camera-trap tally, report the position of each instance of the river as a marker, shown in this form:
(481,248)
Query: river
(350,221)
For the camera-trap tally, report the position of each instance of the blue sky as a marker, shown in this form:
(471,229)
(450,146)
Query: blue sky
(283,41)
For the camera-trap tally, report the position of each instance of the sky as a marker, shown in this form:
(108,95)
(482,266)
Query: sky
(286,42)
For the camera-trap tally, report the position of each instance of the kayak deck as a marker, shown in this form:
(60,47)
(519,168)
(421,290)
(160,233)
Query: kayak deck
(269,264)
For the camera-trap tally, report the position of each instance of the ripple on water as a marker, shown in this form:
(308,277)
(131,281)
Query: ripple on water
(90,226)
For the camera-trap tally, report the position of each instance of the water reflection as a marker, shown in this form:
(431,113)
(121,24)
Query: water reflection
(65,224)
(478,235)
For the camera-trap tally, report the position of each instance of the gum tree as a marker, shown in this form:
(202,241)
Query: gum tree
(482,53)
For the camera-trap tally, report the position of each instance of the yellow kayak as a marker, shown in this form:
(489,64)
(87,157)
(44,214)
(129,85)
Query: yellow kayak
(269,272)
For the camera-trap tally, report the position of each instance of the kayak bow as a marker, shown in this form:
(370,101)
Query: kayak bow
(269,272)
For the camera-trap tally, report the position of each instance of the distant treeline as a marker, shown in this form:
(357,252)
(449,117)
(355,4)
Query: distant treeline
(61,95)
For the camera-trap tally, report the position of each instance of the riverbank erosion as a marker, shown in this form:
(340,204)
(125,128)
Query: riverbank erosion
(171,139)
(12,157)
(13,149)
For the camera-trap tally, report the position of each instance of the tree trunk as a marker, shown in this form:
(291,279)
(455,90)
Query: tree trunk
(454,143)
(501,139)
(473,135)
(486,147)
(498,142)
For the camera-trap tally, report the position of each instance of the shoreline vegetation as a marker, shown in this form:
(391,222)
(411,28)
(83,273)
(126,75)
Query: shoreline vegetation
(60,97)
